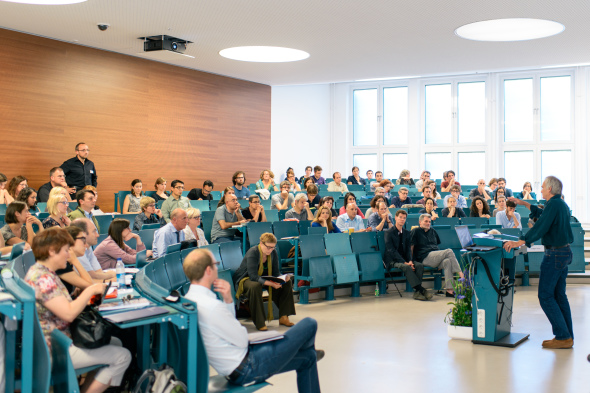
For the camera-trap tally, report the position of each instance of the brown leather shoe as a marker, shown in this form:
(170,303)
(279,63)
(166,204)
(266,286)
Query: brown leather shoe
(263,329)
(559,344)
(546,341)
(284,320)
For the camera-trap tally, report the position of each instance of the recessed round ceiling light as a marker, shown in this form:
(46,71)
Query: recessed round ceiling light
(46,2)
(515,29)
(264,54)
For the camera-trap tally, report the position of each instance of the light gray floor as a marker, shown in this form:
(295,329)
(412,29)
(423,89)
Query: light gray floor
(389,344)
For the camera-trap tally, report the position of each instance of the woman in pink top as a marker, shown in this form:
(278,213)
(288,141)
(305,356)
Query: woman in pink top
(114,246)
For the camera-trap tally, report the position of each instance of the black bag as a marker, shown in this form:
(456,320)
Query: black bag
(90,330)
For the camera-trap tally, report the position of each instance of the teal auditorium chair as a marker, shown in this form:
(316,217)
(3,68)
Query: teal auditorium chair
(149,226)
(355,187)
(214,248)
(159,275)
(231,255)
(477,221)
(227,275)
(317,230)
(316,267)
(17,250)
(304,226)
(147,237)
(119,199)
(203,206)
(207,222)
(452,221)
(271,215)
(578,264)
(216,195)
(173,266)
(266,204)
(18,266)
(344,262)
(370,258)
(104,221)
(282,214)
(3,209)
(283,229)
(255,230)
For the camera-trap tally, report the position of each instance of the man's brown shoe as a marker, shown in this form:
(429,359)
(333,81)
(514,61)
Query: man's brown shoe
(284,320)
(263,328)
(546,341)
(559,344)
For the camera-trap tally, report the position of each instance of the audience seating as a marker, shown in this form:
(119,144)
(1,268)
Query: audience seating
(203,206)
(207,222)
(231,255)
(147,237)
(216,195)
(119,199)
(3,209)
(256,229)
(214,248)
(104,221)
(317,230)
(316,267)
(282,229)
(282,213)
(17,250)
(149,226)
(271,215)
(173,266)
(344,261)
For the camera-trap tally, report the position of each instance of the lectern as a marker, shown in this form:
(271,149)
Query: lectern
(493,292)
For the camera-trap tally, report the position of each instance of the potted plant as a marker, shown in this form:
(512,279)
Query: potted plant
(460,315)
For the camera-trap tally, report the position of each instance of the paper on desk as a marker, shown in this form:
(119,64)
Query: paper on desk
(264,337)
(128,270)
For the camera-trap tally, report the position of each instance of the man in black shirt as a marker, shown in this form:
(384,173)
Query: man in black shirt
(425,243)
(56,179)
(398,254)
(79,170)
(254,212)
(202,194)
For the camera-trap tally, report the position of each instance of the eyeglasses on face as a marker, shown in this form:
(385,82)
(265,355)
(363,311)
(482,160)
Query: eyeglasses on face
(269,247)
(179,187)
(65,202)
(83,238)
(196,217)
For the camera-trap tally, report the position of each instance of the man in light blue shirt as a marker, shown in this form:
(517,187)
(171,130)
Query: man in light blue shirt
(456,192)
(171,233)
(351,220)
(509,218)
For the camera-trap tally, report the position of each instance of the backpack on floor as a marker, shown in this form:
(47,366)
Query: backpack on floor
(159,381)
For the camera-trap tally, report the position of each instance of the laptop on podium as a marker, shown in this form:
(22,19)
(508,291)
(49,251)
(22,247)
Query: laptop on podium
(467,242)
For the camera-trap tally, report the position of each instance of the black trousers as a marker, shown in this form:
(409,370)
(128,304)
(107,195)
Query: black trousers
(413,277)
(282,297)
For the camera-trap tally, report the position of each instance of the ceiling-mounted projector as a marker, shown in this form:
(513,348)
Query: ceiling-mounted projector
(164,42)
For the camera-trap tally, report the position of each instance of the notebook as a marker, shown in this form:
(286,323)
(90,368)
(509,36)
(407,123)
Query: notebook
(466,240)
(136,314)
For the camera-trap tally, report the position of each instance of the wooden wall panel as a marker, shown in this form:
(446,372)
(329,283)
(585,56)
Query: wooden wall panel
(141,119)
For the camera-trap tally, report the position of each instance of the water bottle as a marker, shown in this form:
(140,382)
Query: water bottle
(120,268)
(377,290)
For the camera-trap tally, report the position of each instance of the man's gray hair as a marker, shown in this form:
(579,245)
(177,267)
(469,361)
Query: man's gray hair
(423,216)
(404,188)
(553,183)
(300,196)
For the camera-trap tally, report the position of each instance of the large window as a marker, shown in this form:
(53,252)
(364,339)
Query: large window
(393,164)
(471,112)
(519,167)
(438,113)
(365,117)
(471,168)
(395,115)
(556,112)
(437,163)
(364,162)
(558,163)
(518,110)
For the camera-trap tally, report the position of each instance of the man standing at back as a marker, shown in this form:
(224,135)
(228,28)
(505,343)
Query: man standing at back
(555,231)
(226,340)
(79,170)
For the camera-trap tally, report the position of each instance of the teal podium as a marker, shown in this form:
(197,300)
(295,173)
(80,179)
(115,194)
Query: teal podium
(493,284)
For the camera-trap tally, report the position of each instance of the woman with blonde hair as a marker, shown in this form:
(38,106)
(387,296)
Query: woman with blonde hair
(323,218)
(161,193)
(149,214)
(58,191)
(266,181)
(192,230)
(263,260)
(57,206)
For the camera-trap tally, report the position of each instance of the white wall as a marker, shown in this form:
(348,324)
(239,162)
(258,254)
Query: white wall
(300,129)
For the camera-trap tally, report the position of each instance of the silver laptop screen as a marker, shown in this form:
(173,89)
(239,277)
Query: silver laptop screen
(464,236)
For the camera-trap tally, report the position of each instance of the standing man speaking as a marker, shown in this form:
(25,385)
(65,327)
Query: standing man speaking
(79,170)
(554,229)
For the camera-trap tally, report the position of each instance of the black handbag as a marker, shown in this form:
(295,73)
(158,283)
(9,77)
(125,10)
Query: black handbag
(90,330)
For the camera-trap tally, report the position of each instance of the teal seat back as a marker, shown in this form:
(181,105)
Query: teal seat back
(173,248)
(256,229)
(207,222)
(160,276)
(147,236)
(132,243)
(159,204)
(42,359)
(491,226)
(477,221)
(203,206)
(305,225)
(355,187)
(140,259)
(174,270)
(226,275)
(346,268)
(282,214)
(17,250)
(3,209)
(149,226)
(320,270)
(337,243)
(231,255)
(311,246)
(283,248)
(412,221)
(214,248)
(28,261)
(364,242)
(371,266)
(243,203)
(64,375)
(120,197)
(452,221)
(271,215)
(381,243)
(317,230)
(104,221)
(283,229)
(18,267)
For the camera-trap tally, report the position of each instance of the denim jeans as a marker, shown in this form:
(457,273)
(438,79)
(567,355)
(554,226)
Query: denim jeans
(296,351)
(552,295)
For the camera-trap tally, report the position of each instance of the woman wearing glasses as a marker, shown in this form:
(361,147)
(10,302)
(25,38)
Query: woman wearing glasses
(259,261)
(74,276)
(57,206)
(114,247)
(192,230)
(149,214)
(58,191)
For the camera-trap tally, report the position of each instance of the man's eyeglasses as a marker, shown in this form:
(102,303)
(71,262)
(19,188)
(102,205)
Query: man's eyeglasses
(152,205)
(83,238)
(64,202)
(84,150)
(179,187)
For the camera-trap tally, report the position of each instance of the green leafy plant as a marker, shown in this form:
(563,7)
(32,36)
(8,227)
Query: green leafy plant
(461,311)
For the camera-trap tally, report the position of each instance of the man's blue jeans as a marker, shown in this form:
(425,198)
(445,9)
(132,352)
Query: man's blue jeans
(296,351)
(552,295)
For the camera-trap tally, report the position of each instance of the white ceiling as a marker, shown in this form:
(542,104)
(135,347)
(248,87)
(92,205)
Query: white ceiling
(347,39)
